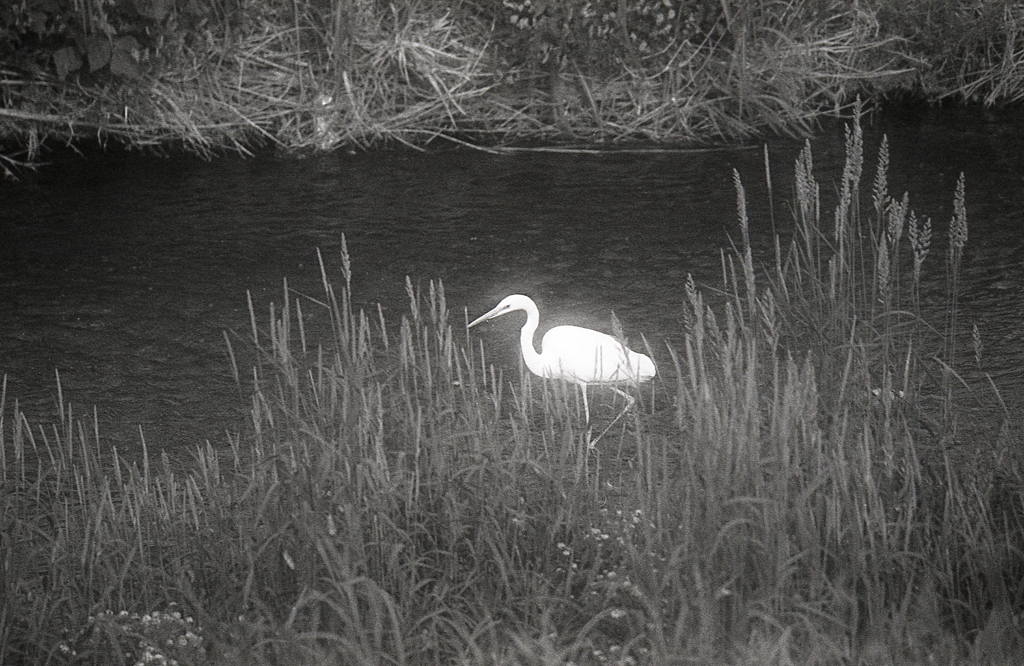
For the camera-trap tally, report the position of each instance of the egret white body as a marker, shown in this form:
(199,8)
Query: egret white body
(574,354)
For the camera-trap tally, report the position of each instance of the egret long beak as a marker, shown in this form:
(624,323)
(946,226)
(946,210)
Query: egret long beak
(499,310)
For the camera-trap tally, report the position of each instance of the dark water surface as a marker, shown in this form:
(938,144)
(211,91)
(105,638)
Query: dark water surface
(122,270)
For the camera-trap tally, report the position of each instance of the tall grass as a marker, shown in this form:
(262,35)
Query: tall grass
(793,493)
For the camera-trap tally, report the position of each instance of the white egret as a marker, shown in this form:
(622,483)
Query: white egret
(578,355)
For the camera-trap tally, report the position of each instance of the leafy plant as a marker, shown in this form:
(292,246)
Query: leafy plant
(593,34)
(121,38)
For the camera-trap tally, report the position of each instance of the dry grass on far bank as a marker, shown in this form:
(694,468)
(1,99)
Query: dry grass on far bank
(324,76)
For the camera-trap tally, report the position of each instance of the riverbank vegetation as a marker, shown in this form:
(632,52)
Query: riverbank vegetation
(799,486)
(324,74)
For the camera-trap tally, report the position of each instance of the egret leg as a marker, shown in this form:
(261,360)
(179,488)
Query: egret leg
(592,443)
(586,407)
(629,399)
(586,411)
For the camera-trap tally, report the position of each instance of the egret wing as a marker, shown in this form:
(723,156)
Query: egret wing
(587,356)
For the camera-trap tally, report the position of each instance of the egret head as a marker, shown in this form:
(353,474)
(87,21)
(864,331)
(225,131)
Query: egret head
(507,304)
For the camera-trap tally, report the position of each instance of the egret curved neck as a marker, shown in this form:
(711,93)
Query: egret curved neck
(530,356)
